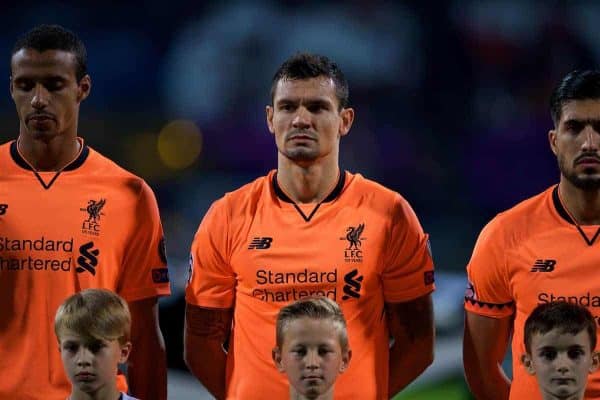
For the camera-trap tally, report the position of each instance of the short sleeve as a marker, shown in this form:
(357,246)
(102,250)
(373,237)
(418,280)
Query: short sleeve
(488,291)
(145,273)
(211,281)
(408,270)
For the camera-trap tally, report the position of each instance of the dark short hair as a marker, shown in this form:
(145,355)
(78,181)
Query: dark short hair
(54,37)
(306,66)
(577,85)
(567,317)
(314,307)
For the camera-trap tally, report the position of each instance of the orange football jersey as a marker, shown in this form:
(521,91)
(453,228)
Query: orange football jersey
(256,251)
(529,255)
(92,225)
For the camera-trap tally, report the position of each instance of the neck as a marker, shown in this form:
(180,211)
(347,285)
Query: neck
(48,154)
(584,206)
(107,392)
(309,183)
(294,395)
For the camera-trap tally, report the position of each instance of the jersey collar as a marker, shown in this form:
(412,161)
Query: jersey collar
(76,163)
(560,209)
(334,194)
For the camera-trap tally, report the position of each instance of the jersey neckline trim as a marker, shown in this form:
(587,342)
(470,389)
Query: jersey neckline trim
(76,163)
(334,194)
(564,214)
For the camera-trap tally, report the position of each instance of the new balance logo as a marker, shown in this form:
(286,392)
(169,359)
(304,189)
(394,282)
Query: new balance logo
(88,260)
(3,208)
(543,266)
(353,285)
(260,243)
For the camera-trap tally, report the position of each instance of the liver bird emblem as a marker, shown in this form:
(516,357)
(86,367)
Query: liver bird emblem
(353,236)
(94,209)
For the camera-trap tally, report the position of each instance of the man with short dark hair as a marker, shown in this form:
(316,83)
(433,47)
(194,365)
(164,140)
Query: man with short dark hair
(542,250)
(309,228)
(70,219)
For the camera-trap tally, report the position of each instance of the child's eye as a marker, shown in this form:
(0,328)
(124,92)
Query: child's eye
(548,354)
(575,353)
(70,347)
(300,351)
(96,347)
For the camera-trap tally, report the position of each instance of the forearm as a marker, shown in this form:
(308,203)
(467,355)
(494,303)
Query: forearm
(147,368)
(205,332)
(210,367)
(406,364)
(489,383)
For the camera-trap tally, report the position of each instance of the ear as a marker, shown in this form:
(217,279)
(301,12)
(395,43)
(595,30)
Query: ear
(346,357)
(269,111)
(595,361)
(552,140)
(276,354)
(125,351)
(347,116)
(526,361)
(84,88)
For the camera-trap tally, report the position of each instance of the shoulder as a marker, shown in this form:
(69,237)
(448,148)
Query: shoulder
(379,197)
(120,180)
(245,197)
(515,223)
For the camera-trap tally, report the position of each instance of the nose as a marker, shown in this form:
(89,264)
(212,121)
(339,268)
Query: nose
(83,357)
(563,364)
(301,119)
(40,97)
(591,139)
(312,359)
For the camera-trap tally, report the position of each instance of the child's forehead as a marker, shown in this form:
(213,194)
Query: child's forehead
(559,338)
(71,336)
(306,328)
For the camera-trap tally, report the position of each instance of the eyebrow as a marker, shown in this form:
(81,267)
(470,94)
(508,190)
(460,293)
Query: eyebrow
(313,101)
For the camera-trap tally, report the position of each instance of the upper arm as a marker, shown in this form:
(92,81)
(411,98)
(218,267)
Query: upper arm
(412,322)
(489,292)
(205,325)
(144,264)
(485,342)
(212,282)
(144,317)
(408,266)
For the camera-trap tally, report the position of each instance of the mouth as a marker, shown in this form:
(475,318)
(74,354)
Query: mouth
(302,136)
(40,118)
(588,161)
(84,376)
(563,381)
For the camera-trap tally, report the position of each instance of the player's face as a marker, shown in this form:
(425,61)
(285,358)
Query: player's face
(311,356)
(306,120)
(92,367)
(561,362)
(46,92)
(576,143)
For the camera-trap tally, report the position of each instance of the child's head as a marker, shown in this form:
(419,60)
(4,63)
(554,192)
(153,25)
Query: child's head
(92,328)
(560,339)
(312,345)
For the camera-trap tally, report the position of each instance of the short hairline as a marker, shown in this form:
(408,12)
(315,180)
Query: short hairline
(322,76)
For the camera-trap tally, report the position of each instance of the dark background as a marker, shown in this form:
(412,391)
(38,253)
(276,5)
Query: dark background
(451,101)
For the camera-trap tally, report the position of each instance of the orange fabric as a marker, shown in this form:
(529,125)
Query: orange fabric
(530,255)
(51,247)
(256,253)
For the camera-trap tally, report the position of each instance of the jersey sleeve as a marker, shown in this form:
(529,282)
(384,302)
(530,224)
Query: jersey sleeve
(211,281)
(145,273)
(488,290)
(408,270)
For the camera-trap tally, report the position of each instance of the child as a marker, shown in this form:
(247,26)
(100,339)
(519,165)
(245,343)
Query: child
(312,347)
(92,328)
(560,339)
